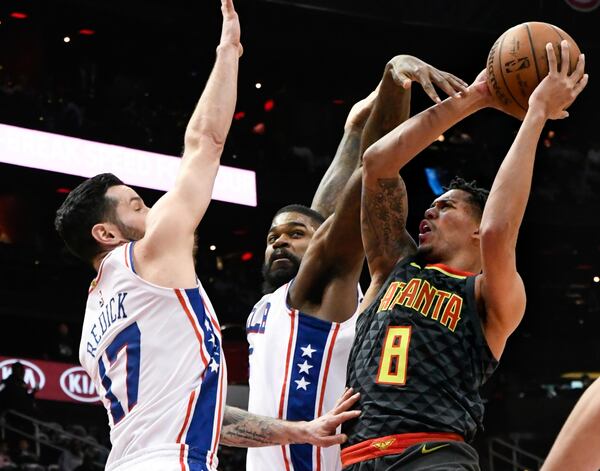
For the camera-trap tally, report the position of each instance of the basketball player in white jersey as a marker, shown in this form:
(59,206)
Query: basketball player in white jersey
(300,333)
(151,340)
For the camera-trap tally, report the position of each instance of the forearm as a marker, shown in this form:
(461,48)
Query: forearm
(508,197)
(391,107)
(576,444)
(211,119)
(393,151)
(343,164)
(243,429)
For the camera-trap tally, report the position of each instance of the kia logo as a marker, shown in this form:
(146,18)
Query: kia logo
(76,384)
(34,377)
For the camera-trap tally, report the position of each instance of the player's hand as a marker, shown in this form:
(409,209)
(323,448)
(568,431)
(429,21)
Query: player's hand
(360,112)
(230,31)
(406,69)
(322,431)
(558,90)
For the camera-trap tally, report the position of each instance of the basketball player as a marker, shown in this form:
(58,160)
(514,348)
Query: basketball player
(151,340)
(576,447)
(300,334)
(437,315)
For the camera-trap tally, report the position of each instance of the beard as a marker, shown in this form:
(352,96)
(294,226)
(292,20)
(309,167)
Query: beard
(130,233)
(273,279)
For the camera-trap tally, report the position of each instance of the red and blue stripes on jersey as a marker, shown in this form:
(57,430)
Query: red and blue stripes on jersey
(199,434)
(309,354)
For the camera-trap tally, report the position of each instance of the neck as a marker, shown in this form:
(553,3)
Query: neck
(469,262)
(97,260)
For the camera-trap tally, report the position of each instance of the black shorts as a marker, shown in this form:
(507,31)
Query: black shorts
(430,456)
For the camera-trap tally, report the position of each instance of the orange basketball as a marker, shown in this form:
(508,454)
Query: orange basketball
(517,62)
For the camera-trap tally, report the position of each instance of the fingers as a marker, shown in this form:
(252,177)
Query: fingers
(332,440)
(577,74)
(402,80)
(428,87)
(458,84)
(346,402)
(579,86)
(227,7)
(552,68)
(445,85)
(564,58)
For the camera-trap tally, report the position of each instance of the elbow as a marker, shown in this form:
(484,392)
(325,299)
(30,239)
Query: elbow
(371,160)
(204,135)
(498,235)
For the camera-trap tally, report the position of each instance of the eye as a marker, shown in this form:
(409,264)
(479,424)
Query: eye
(297,234)
(271,238)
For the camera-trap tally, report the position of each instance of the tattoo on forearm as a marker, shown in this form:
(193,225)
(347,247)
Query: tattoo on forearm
(345,161)
(384,218)
(242,429)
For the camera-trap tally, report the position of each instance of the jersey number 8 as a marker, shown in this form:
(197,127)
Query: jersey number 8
(394,356)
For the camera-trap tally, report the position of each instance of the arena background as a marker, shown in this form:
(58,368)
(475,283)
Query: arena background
(131,73)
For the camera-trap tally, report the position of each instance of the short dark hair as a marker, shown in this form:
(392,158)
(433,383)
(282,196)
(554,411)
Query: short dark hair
(86,206)
(300,208)
(477,195)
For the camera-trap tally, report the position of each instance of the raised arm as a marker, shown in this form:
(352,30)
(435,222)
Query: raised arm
(346,159)
(165,251)
(500,288)
(384,201)
(244,429)
(392,105)
(576,446)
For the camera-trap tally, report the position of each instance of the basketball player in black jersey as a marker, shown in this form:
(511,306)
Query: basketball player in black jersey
(438,314)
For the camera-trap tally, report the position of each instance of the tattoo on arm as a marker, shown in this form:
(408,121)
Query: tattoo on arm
(243,429)
(344,163)
(383,221)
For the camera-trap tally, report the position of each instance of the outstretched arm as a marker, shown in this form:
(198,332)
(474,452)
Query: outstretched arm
(576,446)
(392,105)
(326,283)
(346,159)
(500,288)
(384,202)
(172,221)
(244,429)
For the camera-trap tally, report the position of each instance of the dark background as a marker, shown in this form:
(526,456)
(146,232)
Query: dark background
(135,83)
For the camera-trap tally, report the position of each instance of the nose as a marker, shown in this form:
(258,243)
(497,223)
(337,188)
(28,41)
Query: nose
(281,241)
(431,213)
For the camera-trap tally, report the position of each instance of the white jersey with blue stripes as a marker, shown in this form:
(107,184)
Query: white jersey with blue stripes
(297,372)
(155,356)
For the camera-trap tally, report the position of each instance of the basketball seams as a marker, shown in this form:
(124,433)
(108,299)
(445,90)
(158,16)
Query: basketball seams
(533,55)
(559,62)
(502,74)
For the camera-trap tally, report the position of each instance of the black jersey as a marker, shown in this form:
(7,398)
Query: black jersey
(419,356)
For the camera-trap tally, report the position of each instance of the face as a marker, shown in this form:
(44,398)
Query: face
(449,226)
(287,241)
(131,212)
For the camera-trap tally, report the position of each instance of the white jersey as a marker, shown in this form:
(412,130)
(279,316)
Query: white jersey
(297,372)
(155,356)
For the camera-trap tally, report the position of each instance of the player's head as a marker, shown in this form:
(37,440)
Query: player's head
(291,230)
(99,215)
(18,370)
(451,224)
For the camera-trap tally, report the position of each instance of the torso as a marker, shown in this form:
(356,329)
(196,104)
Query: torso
(297,372)
(154,355)
(419,356)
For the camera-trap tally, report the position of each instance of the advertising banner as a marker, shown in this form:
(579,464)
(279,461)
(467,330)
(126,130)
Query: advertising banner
(55,381)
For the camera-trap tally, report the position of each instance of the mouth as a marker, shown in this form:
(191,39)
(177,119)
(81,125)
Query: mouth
(424,227)
(424,231)
(280,260)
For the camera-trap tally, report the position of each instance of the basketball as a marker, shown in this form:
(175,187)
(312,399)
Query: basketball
(517,62)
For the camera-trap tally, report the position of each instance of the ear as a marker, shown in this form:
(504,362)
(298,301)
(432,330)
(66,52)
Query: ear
(107,234)
(476,235)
